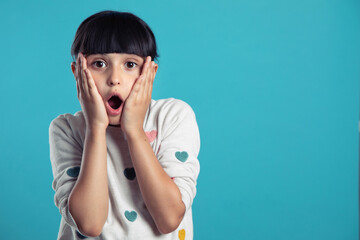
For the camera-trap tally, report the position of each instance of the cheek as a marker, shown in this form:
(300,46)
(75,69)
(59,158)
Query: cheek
(133,77)
(97,83)
(97,78)
(135,73)
(138,72)
(129,85)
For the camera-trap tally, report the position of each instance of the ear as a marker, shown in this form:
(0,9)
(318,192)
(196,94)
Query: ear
(73,68)
(156,67)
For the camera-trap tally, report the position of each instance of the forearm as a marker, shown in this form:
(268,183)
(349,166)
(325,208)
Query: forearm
(161,195)
(89,199)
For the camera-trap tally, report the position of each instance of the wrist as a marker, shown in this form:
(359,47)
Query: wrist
(135,133)
(95,130)
(96,126)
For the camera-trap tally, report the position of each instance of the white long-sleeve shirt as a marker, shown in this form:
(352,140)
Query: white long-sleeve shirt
(171,128)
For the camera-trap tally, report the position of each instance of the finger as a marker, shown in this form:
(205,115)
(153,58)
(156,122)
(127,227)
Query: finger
(149,80)
(145,84)
(140,82)
(77,67)
(91,83)
(138,85)
(152,76)
(79,78)
(135,89)
(83,75)
(154,72)
(145,66)
(148,71)
(76,73)
(77,89)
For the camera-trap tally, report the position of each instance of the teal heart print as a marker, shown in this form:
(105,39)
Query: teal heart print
(80,235)
(182,156)
(73,172)
(131,216)
(130,173)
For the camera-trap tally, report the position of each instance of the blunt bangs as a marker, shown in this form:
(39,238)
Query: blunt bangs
(114,32)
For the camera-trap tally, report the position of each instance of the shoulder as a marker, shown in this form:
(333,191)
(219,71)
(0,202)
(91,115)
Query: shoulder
(170,106)
(166,115)
(68,122)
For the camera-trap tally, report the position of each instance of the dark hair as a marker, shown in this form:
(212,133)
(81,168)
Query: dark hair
(114,32)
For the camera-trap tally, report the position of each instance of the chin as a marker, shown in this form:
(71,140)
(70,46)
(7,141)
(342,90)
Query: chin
(114,120)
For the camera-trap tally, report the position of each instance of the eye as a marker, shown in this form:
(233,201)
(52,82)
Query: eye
(130,64)
(99,64)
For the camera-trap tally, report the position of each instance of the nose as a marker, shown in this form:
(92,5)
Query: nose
(115,77)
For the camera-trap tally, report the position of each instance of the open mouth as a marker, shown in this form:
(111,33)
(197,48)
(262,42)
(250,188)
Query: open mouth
(115,102)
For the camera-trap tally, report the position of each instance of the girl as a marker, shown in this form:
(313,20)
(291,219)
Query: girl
(125,167)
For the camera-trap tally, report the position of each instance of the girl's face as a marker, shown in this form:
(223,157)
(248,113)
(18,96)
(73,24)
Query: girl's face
(114,75)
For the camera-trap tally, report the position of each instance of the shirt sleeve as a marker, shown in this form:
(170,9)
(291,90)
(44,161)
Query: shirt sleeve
(179,149)
(65,156)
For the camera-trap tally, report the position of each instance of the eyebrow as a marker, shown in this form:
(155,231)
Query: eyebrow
(95,54)
(130,55)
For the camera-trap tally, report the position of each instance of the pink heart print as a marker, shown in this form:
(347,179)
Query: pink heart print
(151,135)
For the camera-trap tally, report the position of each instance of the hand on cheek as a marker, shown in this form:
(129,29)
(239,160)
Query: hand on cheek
(137,103)
(90,100)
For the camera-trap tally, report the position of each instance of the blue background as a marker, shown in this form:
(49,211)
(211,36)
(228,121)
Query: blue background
(274,85)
